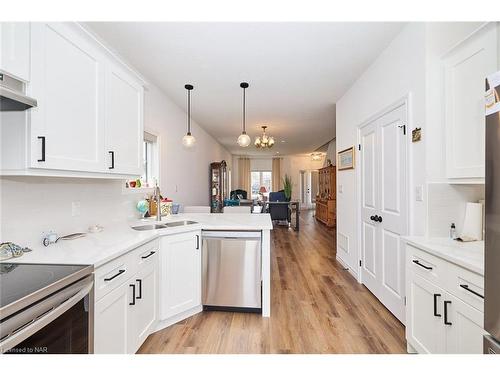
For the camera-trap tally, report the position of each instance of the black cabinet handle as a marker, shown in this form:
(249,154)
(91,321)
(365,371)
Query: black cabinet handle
(422,265)
(446,303)
(436,295)
(43,148)
(140,288)
(112,153)
(197,242)
(147,256)
(133,295)
(466,287)
(118,274)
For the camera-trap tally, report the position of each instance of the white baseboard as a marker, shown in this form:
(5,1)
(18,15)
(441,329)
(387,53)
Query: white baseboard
(345,265)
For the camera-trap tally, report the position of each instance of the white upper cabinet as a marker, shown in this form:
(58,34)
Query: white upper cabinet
(15,49)
(67,80)
(124,99)
(466,68)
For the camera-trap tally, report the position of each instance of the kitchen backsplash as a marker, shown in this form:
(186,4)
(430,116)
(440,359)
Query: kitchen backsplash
(446,205)
(32,205)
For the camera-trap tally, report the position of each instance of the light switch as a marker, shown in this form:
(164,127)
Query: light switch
(341,189)
(75,208)
(419,193)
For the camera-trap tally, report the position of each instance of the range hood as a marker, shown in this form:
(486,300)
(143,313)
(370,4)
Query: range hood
(12,97)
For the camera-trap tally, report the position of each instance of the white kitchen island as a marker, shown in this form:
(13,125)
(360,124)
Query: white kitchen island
(148,280)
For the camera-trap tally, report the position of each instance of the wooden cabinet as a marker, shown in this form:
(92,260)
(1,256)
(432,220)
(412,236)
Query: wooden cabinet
(218,185)
(326,199)
(180,274)
(440,318)
(15,49)
(466,68)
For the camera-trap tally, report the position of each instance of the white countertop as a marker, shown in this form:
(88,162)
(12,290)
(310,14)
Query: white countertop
(469,255)
(119,238)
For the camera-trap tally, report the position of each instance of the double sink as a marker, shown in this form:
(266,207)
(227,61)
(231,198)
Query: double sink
(164,225)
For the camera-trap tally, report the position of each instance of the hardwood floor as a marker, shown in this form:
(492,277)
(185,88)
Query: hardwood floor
(317,307)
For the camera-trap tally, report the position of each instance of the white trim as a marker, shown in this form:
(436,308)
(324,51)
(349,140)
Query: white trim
(406,101)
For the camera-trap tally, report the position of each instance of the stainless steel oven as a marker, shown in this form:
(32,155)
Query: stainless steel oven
(55,319)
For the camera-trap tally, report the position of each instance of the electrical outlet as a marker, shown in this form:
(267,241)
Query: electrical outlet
(75,208)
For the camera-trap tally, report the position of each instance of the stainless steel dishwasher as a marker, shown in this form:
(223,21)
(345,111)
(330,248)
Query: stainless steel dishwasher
(232,270)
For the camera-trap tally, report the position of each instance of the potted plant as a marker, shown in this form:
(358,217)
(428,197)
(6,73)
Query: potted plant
(287,187)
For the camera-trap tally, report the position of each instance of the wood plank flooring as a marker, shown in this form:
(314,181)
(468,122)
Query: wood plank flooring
(317,307)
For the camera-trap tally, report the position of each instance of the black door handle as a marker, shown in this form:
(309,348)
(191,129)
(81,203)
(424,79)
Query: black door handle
(112,153)
(43,148)
(446,303)
(118,274)
(422,265)
(372,217)
(466,287)
(197,242)
(133,295)
(436,295)
(140,288)
(147,256)
(380,219)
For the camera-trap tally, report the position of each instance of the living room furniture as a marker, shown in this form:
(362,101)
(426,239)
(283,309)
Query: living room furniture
(235,194)
(278,208)
(326,198)
(218,185)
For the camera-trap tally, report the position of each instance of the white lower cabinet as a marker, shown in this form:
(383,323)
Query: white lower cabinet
(180,274)
(437,320)
(126,314)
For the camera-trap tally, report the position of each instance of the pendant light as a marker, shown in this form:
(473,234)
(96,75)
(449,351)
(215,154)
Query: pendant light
(264,141)
(244,140)
(188,140)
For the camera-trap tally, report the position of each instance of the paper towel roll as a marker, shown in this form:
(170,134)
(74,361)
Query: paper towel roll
(472,229)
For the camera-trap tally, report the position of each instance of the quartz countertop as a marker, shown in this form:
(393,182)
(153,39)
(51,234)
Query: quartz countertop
(469,255)
(119,238)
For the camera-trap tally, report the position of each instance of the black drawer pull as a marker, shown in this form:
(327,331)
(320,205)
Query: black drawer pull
(133,295)
(43,148)
(422,265)
(446,303)
(140,288)
(436,295)
(112,277)
(147,256)
(466,287)
(112,153)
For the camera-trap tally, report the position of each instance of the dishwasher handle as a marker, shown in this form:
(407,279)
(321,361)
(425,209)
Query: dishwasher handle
(232,235)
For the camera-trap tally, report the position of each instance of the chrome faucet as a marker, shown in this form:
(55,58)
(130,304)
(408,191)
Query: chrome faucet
(157,198)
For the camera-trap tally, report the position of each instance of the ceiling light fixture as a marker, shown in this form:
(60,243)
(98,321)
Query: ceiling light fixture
(315,156)
(244,140)
(264,141)
(188,140)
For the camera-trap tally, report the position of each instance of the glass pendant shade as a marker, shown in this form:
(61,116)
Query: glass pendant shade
(188,140)
(244,140)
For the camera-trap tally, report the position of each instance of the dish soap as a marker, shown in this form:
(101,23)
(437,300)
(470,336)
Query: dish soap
(453,231)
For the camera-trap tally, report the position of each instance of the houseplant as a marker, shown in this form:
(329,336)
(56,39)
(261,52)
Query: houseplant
(287,187)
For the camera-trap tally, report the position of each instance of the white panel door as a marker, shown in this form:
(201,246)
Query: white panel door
(383,208)
(465,70)
(124,122)
(180,273)
(424,326)
(15,49)
(66,79)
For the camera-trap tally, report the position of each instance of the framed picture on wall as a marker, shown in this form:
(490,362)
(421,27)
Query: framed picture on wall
(345,159)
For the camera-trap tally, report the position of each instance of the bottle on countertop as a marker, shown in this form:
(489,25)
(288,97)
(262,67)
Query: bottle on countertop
(453,231)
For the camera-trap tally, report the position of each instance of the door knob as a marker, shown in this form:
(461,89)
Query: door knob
(372,217)
(379,219)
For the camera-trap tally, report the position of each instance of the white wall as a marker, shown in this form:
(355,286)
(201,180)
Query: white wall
(31,205)
(399,71)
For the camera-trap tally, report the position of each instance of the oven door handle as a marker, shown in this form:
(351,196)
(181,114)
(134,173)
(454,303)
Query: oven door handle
(45,312)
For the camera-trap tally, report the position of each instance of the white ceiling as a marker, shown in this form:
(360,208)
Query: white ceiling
(296,72)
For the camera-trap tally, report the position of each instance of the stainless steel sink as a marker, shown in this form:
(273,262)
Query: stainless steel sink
(163,225)
(149,227)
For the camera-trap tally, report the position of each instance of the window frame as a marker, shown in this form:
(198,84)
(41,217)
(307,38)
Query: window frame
(261,173)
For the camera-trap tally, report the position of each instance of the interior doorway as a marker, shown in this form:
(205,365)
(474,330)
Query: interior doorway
(309,186)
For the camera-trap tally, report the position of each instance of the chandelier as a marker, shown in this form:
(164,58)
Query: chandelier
(264,140)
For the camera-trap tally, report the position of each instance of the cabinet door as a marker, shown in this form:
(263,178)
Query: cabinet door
(180,273)
(425,330)
(465,334)
(143,312)
(466,68)
(124,123)
(111,326)
(15,49)
(67,80)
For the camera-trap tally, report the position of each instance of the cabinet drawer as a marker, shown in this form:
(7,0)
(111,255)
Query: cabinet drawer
(145,254)
(466,285)
(111,275)
(426,265)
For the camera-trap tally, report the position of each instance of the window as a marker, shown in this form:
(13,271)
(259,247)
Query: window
(258,179)
(150,161)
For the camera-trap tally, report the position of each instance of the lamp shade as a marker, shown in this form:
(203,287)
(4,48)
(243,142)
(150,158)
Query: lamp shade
(262,190)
